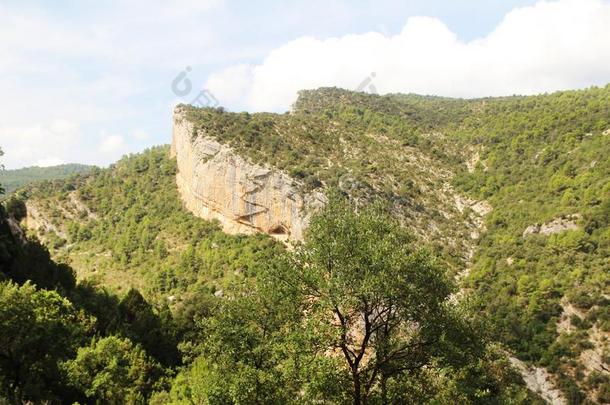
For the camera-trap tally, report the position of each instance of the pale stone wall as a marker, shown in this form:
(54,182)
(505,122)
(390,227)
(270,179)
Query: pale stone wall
(216,183)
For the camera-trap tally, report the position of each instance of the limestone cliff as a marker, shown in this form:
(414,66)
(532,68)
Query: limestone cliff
(216,183)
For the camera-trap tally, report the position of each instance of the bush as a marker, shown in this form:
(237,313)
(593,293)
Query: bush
(15,208)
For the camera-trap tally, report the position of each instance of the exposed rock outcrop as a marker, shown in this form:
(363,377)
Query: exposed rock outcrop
(479,210)
(216,183)
(594,359)
(539,380)
(38,220)
(568,223)
(42,220)
(471,163)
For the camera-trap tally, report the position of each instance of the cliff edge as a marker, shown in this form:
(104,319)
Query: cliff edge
(216,183)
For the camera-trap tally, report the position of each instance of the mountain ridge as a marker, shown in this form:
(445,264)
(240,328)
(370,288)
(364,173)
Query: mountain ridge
(13,179)
(534,159)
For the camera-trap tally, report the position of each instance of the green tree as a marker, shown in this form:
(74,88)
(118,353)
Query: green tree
(112,370)
(374,299)
(15,207)
(38,329)
(246,351)
(202,383)
(142,324)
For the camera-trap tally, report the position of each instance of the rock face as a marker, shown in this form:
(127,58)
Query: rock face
(216,183)
(539,381)
(39,221)
(557,225)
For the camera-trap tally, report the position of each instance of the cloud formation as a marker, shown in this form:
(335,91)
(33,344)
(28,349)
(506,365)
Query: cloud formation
(41,145)
(99,68)
(546,47)
(107,67)
(112,143)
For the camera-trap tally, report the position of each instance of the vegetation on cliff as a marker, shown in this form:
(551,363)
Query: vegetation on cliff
(544,158)
(366,146)
(263,340)
(233,332)
(126,227)
(535,159)
(47,319)
(356,314)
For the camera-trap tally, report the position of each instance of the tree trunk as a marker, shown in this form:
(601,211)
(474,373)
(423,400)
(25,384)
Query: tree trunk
(357,389)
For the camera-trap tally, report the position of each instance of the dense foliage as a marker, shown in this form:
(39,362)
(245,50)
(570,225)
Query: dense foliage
(113,371)
(126,227)
(354,315)
(535,159)
(45,316)
(223,316)
(543,158)
(375,300)
(261,341)
(38,327)
(13,179)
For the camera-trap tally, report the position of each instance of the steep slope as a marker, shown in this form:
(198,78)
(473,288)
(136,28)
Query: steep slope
(513,192)
(124,227)
(367,154)
(66,341)
(48,318)
(536,166)
(216,183)
(544,167)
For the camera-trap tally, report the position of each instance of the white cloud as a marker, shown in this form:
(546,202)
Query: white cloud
(34,40)
(140,135)
(232,83)
(51,161)
(112,143)
(102,69)
(27,145)
(546,47)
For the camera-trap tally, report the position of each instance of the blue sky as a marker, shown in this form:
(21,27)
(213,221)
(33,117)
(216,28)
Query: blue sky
(88,81)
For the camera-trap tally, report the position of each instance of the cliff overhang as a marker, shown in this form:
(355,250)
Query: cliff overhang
(216,183)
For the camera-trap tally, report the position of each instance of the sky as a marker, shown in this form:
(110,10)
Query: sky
(89,81)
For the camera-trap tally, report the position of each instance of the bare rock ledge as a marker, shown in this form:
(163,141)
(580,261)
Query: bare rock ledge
(567,223)
(216,183)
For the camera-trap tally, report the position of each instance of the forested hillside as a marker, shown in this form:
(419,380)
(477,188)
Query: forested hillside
(512,195)
(125,227)
(64,341)
(227,319)
(13,179)
(541,271)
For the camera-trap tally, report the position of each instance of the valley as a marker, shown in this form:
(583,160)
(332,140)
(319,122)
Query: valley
(511,195)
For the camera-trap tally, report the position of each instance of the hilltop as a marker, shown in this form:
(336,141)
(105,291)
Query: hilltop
(536,165)
(513,193)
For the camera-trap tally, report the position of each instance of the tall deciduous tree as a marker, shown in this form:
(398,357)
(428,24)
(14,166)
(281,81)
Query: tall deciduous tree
(381,304)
